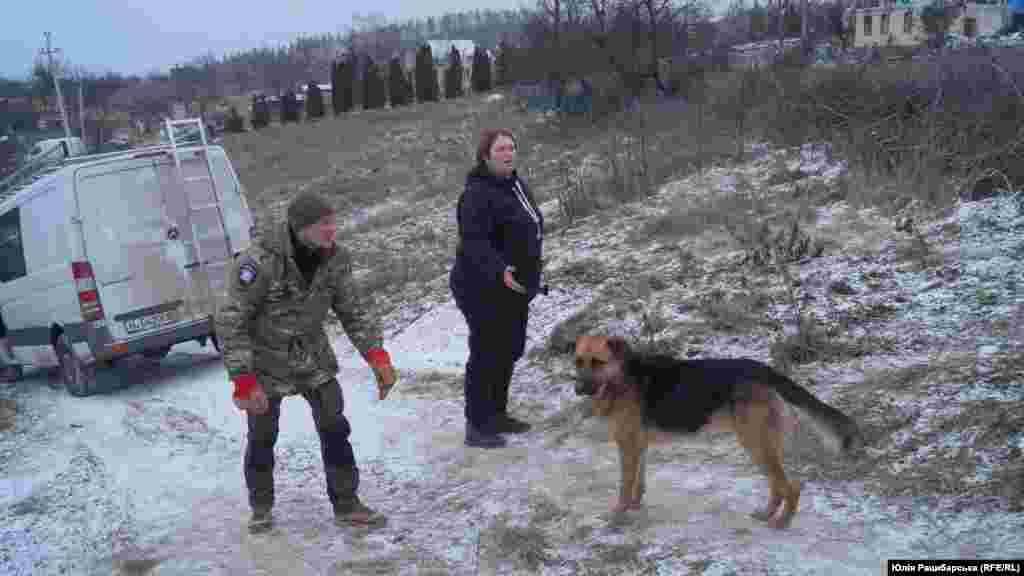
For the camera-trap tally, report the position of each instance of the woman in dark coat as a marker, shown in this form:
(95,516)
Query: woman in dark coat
(496,274)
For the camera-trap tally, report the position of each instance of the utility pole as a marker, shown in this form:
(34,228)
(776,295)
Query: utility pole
(81,106)
(49,52)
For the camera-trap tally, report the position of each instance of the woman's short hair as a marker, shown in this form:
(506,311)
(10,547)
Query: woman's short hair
(487,138)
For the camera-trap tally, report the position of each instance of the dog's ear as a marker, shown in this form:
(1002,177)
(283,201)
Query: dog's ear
(618,347)
(572,345)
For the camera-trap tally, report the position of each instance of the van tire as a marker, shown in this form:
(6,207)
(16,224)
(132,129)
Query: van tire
(78,380)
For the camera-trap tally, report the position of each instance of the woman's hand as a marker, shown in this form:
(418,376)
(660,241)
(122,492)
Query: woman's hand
(510,280)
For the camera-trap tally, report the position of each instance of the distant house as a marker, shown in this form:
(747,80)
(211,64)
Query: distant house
(898,22)
(440,49)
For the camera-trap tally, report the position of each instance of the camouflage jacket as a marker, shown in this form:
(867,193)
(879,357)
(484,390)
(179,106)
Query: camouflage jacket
(272,324)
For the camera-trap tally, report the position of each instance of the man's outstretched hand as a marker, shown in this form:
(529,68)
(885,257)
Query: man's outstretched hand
(380,362)
(249,396)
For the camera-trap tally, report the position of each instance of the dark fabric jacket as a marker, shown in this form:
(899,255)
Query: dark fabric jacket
(499,225)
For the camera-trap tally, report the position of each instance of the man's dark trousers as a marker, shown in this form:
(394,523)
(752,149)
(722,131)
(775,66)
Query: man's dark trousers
(327,405)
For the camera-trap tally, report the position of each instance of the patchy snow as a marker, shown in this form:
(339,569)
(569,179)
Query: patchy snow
(146,478)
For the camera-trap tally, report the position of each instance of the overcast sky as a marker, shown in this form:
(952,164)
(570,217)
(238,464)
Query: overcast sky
(133,37)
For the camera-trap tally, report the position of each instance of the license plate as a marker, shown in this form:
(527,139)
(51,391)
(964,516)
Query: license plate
(150,322)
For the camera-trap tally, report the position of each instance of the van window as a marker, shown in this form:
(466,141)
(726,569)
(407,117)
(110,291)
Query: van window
(12,255)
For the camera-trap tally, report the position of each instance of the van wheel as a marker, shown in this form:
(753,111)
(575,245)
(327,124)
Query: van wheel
(157,353)
(76,377)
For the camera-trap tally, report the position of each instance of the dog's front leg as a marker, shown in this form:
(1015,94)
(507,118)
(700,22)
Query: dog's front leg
(640,482)
(629,460)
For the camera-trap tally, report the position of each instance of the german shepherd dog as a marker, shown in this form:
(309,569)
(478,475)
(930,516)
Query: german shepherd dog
(650,398)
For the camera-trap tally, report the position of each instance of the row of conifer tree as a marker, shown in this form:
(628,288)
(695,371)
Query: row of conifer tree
(379,88)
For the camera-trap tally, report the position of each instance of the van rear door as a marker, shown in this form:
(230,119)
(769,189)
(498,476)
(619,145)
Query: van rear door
(135,249)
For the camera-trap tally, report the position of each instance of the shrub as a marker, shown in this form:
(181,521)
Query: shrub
(453,75)
(260,116)
(234,122)
(314,101)
(398,89)
(289,107)
(481,74)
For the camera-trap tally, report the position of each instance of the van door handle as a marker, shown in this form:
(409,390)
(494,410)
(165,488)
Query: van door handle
(191,265)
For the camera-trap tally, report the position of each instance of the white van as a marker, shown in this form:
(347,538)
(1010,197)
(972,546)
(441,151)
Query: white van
(117,254)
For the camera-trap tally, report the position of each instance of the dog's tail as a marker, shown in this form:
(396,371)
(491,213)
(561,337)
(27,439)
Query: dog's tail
(840,432)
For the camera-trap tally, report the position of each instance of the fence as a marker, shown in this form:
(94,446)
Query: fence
(543,97)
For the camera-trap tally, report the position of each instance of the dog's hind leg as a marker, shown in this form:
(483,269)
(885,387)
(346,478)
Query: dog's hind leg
(782,490)
(759,430)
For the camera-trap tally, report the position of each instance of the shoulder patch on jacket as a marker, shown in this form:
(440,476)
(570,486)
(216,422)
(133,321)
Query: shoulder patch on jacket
(247,273)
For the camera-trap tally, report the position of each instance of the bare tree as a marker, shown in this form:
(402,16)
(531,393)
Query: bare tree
(805,40)
(660,14)
(552,10)
(780,9)
(208,80)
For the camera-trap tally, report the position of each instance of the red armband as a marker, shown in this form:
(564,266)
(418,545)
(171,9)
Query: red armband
(244,385)
(378,357)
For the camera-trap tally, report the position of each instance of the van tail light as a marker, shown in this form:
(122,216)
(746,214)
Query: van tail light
(88,295)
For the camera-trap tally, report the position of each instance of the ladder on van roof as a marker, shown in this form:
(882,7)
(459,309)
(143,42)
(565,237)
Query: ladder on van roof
(176,152)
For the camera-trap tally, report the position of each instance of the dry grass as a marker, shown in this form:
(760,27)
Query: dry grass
(563,338)
(432,385)
(526,546)
(396,273)
(738,312)
(366,157)
(687,218)
(589,271)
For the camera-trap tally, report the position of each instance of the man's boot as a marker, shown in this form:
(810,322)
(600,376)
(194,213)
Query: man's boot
(477,437)
(261,520)
(342,483)
(259,479)
(261,500)
(510,424)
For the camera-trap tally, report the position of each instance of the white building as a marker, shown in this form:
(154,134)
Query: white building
(439,49)
(898,23)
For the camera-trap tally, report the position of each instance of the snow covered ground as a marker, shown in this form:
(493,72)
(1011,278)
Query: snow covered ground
(146,477)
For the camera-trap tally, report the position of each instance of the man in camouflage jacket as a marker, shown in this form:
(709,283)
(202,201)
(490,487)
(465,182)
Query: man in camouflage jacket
(271,333)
